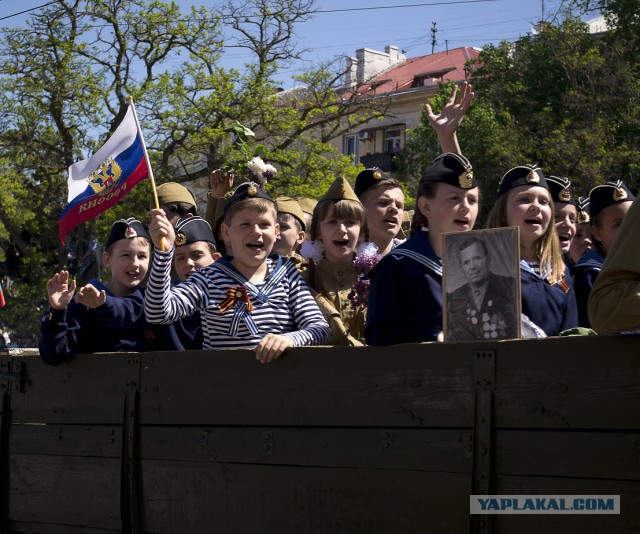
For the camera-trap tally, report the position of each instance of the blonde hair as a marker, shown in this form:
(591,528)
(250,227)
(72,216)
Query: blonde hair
(260,205)
(548,250)
(137,239)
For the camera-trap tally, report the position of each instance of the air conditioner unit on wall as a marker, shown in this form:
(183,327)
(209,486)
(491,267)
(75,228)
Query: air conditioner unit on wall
(363,136)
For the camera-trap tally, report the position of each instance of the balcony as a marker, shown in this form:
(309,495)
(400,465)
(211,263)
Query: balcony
(383,160)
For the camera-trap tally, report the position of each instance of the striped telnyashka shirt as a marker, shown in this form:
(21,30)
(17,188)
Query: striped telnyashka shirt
(289,310)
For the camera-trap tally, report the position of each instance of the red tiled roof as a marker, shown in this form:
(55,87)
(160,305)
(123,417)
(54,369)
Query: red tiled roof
(444,66)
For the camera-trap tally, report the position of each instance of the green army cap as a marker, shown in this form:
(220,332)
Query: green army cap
(174,192)
(307,204)
(292,207)
(340,190)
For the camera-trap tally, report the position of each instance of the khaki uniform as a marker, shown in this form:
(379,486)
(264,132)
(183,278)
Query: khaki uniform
(330,285)
(614,302)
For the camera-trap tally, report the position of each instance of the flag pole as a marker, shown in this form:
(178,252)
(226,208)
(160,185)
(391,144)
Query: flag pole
(146,159)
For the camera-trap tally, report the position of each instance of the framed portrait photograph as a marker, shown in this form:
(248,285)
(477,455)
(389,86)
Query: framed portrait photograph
(481,285)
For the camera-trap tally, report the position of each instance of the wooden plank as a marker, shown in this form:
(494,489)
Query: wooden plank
(578,382)
(419,386)
(65,490)
(626,523)
(604,455)
(15,527)
(66,440)
(236,498)
(415,449)
(88,389)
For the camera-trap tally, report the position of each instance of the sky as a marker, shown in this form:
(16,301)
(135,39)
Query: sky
(340,27)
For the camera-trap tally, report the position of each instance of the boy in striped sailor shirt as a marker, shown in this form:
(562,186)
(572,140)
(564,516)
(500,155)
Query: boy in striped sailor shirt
(251,300)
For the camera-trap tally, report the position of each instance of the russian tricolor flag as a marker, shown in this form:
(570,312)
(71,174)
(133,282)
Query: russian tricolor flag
(2,301)
(97,183)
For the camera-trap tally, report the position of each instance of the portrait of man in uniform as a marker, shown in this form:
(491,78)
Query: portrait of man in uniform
(481,285)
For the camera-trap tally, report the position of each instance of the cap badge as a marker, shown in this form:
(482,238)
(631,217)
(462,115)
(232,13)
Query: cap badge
(130,233)
(532,177)
(181,239)
(377,175)
(565,195)
(466,179)
(619,194)
(583,217)
(252,191)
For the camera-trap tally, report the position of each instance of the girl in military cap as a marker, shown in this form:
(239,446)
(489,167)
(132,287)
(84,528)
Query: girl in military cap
(564,212)
(109,316)
(335,228)
(608,206)
(405,299)
(581,242)
(524,200)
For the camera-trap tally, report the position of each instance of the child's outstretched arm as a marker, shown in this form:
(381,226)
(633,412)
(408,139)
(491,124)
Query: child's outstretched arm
(162,303)
(446,124)
(61,327)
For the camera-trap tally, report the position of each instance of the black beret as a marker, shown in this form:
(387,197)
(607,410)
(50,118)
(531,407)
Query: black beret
(192,229)
(603,196)
(582,206)
(561,190)
(126,229)
(245,191)
(522,175)
(452,169)
(368,178)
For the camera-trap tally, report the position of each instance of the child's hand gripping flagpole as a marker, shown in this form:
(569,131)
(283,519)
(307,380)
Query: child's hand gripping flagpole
(146,158)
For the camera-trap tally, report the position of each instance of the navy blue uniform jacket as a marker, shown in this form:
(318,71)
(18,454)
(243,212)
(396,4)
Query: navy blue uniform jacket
(585,273)
(405,297)
(548,306)
(118,325)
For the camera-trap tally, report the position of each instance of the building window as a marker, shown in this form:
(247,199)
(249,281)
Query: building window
(350,147)
(393,141)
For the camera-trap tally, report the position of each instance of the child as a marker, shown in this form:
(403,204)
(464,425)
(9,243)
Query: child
(614,302)
(105,317)
(307,205)
(250,300)
(581,242)
(221,190)
(608,205)
(564,212)
(383,201)
(524,200)
(176,201)
(292,231)
(195,248)
(405,299)
(335,228)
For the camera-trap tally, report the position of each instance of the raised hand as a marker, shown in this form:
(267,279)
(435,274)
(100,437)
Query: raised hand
(221,183)
(447,122)
(161,230)
(90,297)
(60,290)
